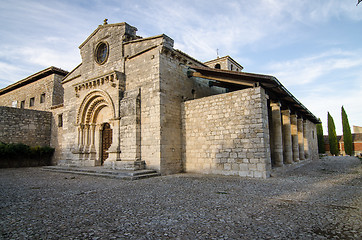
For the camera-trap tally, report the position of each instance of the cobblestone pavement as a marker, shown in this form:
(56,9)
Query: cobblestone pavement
(316,200)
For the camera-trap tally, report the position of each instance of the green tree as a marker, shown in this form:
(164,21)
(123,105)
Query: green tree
(320,138)
(332,136)
(347,134)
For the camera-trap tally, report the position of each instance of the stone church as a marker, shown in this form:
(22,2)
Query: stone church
(138,103)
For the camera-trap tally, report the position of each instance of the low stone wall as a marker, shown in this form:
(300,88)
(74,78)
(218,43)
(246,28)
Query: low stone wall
(25,162)
(26,126)
(227,134)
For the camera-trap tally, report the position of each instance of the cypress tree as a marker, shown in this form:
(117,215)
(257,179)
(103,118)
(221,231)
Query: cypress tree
(347,134)
(320,138)
(332,136)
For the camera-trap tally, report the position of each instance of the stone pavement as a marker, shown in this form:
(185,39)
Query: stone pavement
(104,172)
(315,200)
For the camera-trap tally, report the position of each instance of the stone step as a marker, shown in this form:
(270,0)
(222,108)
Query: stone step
(105,172)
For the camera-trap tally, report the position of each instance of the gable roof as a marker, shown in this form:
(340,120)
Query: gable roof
(105,26)
(44,73)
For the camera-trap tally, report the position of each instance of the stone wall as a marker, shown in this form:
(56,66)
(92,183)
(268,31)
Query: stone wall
(227,134)
(142,75)
(176,87)
(159,73)
(26,126)
(56,133)
(311,141)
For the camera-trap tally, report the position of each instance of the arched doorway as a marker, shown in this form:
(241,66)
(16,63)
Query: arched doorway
(106,141)
(94,128)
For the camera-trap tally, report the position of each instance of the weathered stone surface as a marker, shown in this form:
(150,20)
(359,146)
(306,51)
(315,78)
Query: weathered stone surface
(276,135)
(294,130)
(221,138)
(287,137)
(26,126)
(46,83)
(300,138)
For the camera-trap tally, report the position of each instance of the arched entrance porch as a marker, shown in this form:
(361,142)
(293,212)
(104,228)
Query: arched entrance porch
(94,124)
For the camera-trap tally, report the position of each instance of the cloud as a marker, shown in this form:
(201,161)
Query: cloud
(10,73)
(324,102)
(199,28)
(37,34)
(325,10)
(49,57)
(324,82)
(309,69)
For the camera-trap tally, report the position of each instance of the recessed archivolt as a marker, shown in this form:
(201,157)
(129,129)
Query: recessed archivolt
(93,116)
(94,109)
(91,105)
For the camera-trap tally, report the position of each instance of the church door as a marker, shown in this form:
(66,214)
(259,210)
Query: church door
(106,141)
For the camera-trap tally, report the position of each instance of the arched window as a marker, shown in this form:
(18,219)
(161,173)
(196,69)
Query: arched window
(217,66)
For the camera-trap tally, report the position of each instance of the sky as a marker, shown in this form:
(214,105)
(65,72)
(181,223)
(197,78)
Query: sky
(313,47)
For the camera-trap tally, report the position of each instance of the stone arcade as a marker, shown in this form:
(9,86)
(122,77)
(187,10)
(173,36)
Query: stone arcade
(136,103)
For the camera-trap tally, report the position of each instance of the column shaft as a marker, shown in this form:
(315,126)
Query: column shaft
(294,130)
(287,138)
(93,131)
(300,138)
(306,140)
(277,151)
(87,135)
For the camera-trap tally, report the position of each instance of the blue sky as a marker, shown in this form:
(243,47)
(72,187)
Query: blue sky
(314,48)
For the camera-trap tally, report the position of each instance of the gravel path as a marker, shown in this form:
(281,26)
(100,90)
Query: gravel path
(316,200)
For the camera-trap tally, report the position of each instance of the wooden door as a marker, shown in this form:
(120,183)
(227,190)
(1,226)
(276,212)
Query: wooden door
(106,141)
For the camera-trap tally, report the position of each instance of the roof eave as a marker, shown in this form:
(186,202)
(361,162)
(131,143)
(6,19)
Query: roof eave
(271,83)
(44,73)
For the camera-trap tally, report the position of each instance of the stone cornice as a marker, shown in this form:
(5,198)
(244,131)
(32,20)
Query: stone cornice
(110,78)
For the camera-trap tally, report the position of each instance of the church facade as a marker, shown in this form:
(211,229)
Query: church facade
(138,103)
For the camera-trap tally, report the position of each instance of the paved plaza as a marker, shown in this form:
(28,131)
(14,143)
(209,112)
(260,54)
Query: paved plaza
(313,200)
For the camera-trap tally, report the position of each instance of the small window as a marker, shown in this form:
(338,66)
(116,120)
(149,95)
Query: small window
(31,102)
(42,98)
(232,67)
(193,92)
(218,66)
(22,104)
(14,104)
(60,120)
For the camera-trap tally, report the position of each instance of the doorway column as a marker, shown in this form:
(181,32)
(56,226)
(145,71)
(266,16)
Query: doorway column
(86,138)
(92,137)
